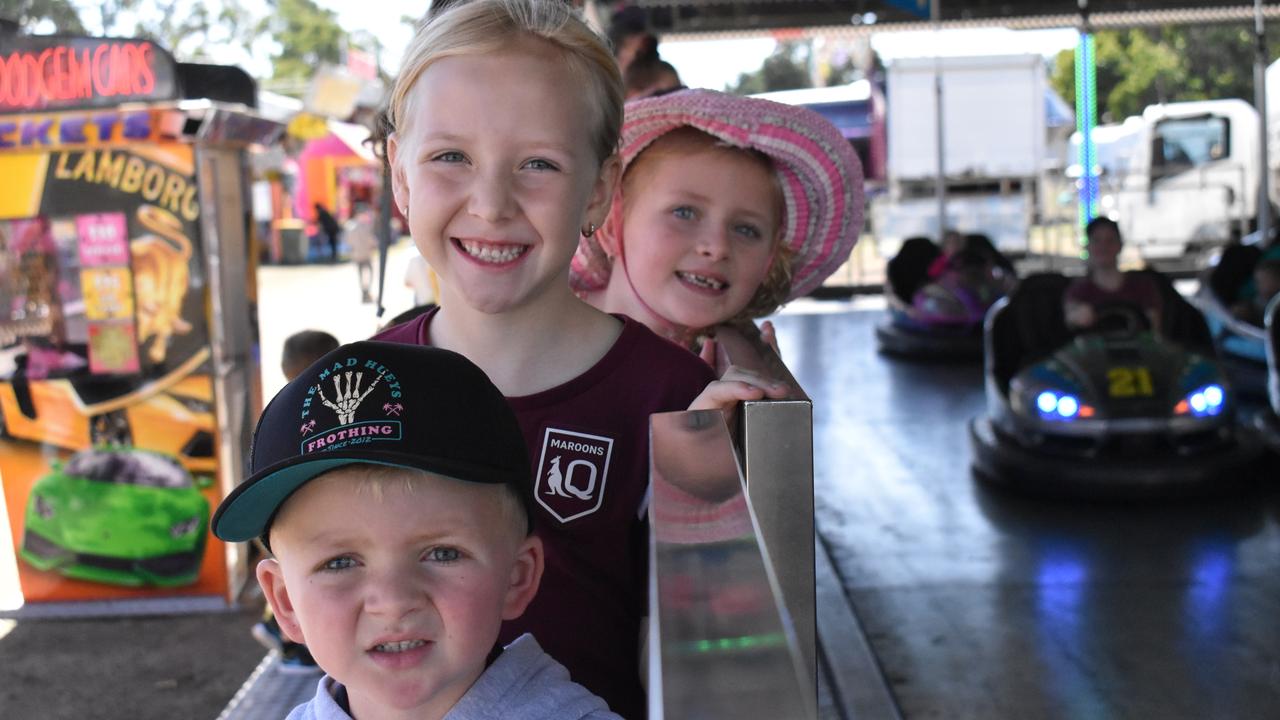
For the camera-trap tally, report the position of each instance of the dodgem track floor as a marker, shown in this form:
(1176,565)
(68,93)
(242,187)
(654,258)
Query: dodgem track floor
(985,604)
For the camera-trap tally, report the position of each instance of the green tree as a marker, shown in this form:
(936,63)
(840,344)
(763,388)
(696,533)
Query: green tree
(786,69)
(191,29)
(187,28)
(309,36)
(1140,67)
(62,13)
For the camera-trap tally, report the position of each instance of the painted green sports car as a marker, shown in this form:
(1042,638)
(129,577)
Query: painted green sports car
(119,516)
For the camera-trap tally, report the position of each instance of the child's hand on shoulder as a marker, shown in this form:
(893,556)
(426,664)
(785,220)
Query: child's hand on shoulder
(738,385)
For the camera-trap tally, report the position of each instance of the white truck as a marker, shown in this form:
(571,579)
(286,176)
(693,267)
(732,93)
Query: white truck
(1192,179)
(1188,177)
(1005,134)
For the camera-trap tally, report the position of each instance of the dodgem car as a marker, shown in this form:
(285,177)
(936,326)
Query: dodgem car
(117,516)
(936,303)
(1116,411)
(83,412)
(1241,344)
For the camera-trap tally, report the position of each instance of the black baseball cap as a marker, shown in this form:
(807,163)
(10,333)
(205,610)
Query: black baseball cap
(382,403)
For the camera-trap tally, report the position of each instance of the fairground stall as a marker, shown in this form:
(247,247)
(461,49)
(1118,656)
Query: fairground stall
(128,337)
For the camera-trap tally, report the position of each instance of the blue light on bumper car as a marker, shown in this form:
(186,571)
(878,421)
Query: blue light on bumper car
(1053,406)
(1198,403)
(1203,402)
(1213,395)
(1068,406)
(1047,402)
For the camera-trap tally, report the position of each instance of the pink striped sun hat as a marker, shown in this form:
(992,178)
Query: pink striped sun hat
(820,175)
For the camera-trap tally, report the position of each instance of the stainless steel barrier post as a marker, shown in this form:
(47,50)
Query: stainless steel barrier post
(720,643)
(776,447)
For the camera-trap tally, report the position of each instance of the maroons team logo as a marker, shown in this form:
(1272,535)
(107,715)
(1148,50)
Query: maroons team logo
(572,473)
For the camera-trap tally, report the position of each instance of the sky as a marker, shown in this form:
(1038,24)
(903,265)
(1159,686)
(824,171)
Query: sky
(710,64)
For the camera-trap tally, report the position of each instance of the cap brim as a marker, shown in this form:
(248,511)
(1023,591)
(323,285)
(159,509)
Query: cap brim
(247,511)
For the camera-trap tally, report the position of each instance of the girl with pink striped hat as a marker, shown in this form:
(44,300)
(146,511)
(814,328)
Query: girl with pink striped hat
(728,207)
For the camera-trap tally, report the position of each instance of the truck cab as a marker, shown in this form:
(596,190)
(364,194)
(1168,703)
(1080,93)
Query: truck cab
(1193,181)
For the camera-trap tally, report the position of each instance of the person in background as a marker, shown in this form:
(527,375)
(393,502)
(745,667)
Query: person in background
(363,242)
(301,349)
(1105,284)
(651,76)
(952,243)
(422,280)
(1266,281)
(331,229)
(630,38)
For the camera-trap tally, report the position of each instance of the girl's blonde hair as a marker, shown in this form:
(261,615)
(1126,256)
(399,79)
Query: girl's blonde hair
(483,26)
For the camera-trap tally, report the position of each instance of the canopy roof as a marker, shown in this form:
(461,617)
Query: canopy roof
(737,18)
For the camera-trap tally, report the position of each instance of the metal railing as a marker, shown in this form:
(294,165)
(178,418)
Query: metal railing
(722,643)
(732,593)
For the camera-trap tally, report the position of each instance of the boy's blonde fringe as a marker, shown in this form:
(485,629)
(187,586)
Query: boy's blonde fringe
(377,480)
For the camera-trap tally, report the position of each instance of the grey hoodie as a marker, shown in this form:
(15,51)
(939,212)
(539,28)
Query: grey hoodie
(524,683)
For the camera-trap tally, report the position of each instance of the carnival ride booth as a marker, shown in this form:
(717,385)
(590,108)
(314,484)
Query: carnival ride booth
(936,305)
(127,332)
(338,171)
(1115,411)
(1241,343)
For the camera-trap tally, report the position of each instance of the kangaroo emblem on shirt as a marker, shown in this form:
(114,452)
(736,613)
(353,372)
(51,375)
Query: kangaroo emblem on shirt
(556,481)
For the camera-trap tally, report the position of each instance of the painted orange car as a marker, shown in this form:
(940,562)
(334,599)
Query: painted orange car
(176,421)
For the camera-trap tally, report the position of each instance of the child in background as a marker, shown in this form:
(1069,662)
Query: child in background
(419,277)
(952,243)
(506,117)
(729,207)
(301,349)
(363,242)
(399,519)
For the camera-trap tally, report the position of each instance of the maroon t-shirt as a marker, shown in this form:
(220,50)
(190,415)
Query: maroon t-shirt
(1137,289)
(589,447)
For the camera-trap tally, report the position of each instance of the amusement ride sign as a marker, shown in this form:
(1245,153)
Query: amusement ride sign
(51,72)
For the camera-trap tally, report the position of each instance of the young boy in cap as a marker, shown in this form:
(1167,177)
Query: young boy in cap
(391,484)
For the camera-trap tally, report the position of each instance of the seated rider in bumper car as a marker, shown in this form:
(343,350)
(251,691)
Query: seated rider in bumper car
(1105,284)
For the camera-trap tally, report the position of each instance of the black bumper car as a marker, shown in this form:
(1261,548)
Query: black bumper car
(940,318)
(1241,344)
(1116,412)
